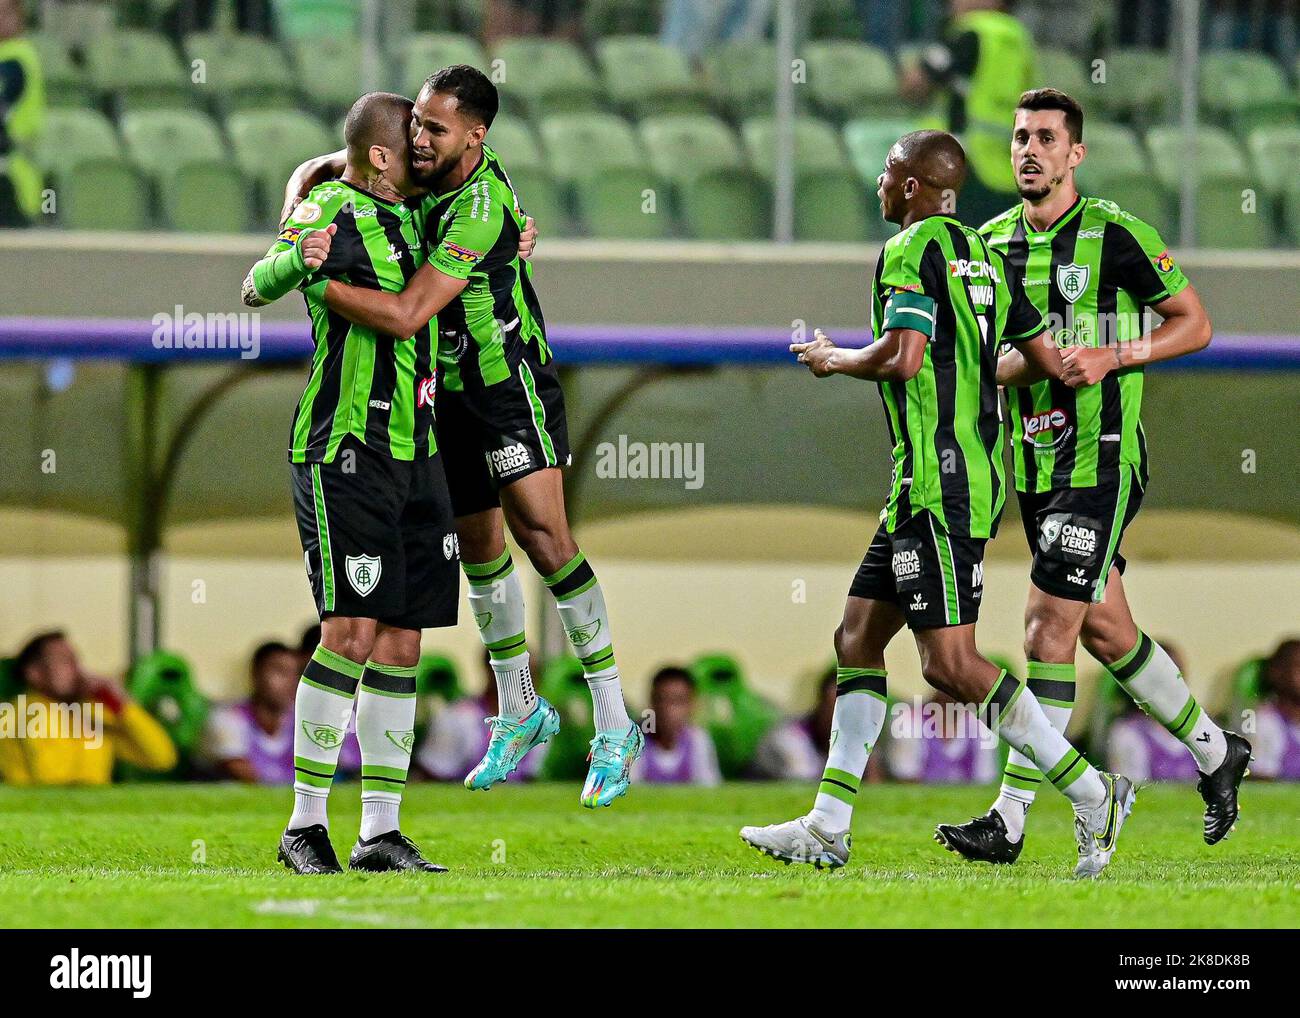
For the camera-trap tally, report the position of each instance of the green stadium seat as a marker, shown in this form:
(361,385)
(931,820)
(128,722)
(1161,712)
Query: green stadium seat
(314,20)
(206,196)
(726,204)
(1220,220)
(1138,85)
(541,198)
(616,204)
(742,77)
(1134,192)
(514,141)
(1283,110)
(602,18)
(816,145)
(683,145)
(331,91)
(161,141)
(1216,154)
(65,83)
(1232,80)
(1275,152)
(244,72)
(101,194)
(583,144)
(269,144)
(1061,69)
(140,69)
(868,142)
(545,75)
(833,19)
(1113,151)
(1291,213)
(426,52)
(845,78)
(643,76)
(830,205)
(94,134)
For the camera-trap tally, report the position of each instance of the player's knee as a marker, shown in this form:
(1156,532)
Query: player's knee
(1104,642)
(548,547)
(1048,638)
(353,639)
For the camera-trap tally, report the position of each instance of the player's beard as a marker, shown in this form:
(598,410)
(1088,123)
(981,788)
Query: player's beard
(1037,192)
(430,178)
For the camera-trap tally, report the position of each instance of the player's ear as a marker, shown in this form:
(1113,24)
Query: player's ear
(1077,153)
(380,157)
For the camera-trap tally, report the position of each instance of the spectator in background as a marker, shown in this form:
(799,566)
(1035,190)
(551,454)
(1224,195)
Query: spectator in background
(984,62)
(252,741)
(22,114)
(87,722)
(458,736)
(696,26)
(939,743)
(185,16)
(677,751)
(1277,719)
(1140,748)
(796,749)
(505,18)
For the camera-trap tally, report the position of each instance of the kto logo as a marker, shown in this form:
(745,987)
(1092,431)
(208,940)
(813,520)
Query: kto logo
(426,390)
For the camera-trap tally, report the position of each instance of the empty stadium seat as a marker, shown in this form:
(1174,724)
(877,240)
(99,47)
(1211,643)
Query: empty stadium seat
(1232,80)
(847,78)
(1275,152)
(683,145)
(313,20)
(330,71)
(741,76)
(242,71)
(583,144)
(1114,151)
(1138,83)
(269,144)
(1221,221)
(621,17)
(101,194)
(1134,192)
(644,76)
(65,83)
(833,19)
(1216,154)
(160,141)
(88,133)
(868,143)
(545,75)
(816,145)
(830,205)
(426,52)
(513,140)
(726,204)
(540,197)
(616,204)
(140,69)
(1061,69)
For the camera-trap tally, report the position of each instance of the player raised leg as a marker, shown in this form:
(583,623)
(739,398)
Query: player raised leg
(821,837)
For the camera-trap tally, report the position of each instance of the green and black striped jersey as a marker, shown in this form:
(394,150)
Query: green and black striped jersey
(472,233)
(940,278)
(1092,273)
(363,383)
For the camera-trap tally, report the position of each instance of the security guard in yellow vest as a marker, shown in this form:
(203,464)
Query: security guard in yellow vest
(22,113)
(985,61)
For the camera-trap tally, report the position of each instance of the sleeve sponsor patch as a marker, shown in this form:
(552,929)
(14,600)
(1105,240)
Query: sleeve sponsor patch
(1165,261)
(307,212)
(908,288)
(289,235)
(460,254)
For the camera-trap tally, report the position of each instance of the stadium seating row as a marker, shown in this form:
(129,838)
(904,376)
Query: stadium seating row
(598,174)
(632,74)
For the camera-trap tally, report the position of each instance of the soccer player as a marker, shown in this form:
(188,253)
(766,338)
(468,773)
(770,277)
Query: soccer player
(1079,458)
(374,515)
(501,422)
(941,307)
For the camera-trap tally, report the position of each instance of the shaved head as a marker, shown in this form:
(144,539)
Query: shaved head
(935,158)
(377,118)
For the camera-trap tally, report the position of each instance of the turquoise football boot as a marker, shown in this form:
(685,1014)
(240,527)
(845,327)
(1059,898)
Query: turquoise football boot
(510,743)
(612,755)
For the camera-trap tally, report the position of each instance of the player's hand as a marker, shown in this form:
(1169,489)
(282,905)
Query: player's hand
(315,247)
(817,354)
(1087,365)
(528,238)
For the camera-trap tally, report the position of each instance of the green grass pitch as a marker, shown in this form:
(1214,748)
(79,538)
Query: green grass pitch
(171,855)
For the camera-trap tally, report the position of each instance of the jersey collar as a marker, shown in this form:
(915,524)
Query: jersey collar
(1032,234)
(477,172)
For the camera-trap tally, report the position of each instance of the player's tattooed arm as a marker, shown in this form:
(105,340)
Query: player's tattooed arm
(1186,329)
(396,314)
(314,171)
(895,357)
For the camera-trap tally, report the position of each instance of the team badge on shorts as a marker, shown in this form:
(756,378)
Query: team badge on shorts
(363,572)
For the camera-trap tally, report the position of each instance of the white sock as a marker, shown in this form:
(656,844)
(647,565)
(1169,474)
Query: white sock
(855,727)
(385,735)
(1014,713)
(496,598)
(581,605)
(321,712)
(1148,674)
(379,816)
(1053,687)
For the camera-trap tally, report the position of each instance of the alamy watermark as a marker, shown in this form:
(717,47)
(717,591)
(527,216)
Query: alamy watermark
(41,719)
(679,461)
(193,330)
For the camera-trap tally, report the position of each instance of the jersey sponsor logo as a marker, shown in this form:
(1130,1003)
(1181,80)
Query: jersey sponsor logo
(1165,261)
(1078,577)
(977,575)
(426,390)
(366,212)
(969,268)
(379,404)
(982,295)
(1092,234)
(1054,422)
(1068,537)
(325,736)
(289,234)
(307,212)
(460,254)
(509,460)
(363,572)
(1072,280)
(918,603)
(906,564)
(393,254)
(906,288)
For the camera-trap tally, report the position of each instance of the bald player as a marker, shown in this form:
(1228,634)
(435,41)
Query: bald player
(374,515)
(941,307)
